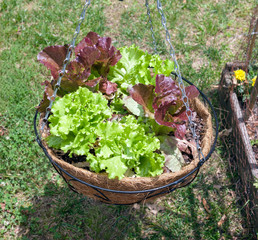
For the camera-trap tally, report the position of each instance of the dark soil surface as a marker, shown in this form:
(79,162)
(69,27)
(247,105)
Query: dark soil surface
(252,129)
(199,127)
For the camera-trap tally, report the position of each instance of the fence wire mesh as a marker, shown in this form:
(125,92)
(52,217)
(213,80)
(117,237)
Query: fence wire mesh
(248,46)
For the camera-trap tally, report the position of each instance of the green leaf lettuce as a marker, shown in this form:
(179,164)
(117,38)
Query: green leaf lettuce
(135,67)
(81,124)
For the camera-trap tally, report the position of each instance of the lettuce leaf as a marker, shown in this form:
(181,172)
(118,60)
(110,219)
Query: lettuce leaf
(107,87)
(160,66)
(96,52)
(129,145)
(53,57)
(143,95)
(173,156)
(132,106)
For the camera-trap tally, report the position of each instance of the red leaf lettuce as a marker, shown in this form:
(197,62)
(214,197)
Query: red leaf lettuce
(94,56)
(165,103)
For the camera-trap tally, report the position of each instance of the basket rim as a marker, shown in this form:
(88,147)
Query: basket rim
(181,179)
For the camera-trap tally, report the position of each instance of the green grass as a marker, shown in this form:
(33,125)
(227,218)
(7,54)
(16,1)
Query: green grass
(34,201)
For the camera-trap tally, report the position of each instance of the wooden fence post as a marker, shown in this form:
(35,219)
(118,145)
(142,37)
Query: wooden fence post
(252,100)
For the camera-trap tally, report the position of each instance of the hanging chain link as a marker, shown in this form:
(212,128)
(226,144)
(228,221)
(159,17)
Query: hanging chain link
(65,62)
(151,27)
(185,99)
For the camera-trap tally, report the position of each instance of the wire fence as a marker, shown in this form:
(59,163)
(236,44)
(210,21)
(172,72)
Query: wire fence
(242,161)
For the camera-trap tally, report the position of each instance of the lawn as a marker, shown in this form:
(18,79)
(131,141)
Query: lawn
(35,203)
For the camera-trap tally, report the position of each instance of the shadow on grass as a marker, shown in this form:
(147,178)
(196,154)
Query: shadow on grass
(62,214)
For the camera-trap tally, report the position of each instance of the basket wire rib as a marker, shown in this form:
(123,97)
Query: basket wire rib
(148,193)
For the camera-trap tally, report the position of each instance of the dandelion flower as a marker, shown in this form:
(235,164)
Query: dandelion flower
(253,80)
(240,75)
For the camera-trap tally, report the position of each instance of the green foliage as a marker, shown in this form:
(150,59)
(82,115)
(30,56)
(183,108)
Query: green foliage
(74,117)
(80,125)
(134,67)
(256,183)
(254,142)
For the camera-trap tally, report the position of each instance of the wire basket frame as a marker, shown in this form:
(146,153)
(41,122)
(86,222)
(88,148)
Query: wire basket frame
(101,192)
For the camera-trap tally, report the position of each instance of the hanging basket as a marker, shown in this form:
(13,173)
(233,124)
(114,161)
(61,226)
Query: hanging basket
(129,190)
(134,190)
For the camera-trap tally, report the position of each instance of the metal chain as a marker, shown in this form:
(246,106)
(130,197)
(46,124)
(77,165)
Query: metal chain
(171,52)
(65,62)
(151,26)
(180,81)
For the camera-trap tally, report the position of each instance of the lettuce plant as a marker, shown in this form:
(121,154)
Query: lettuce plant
(164,103)
(136,66)
(81,124)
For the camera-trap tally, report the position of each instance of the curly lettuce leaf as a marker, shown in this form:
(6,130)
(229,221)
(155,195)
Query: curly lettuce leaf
(97,52)
(74,116)
(160,66)
(168,104)
(107,87)
(115,167)
(128,141)
(124,69)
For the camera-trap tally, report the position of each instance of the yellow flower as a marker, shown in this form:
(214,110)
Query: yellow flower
(253,80)
(240,75)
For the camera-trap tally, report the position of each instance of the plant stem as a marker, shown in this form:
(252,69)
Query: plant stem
(252,100)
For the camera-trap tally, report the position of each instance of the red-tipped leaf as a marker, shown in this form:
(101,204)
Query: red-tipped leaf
(143,95)
(107,87)
(53,57)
